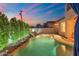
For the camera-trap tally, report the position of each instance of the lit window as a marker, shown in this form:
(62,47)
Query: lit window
(62,26)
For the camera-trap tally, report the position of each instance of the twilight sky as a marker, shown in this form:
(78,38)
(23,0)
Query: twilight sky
(34,13)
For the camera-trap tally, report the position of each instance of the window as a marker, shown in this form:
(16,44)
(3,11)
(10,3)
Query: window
(62,26)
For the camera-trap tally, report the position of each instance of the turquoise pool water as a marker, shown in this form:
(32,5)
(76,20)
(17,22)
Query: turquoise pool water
(42,46)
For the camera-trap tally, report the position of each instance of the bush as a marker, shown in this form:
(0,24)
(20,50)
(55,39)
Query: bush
(13,29)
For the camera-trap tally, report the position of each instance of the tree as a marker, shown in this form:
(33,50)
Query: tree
(18,29)
(4,30)
(14,28)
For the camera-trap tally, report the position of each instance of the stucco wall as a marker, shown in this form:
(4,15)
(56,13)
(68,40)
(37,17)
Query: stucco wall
(46,30)
(60,30)
(70,21)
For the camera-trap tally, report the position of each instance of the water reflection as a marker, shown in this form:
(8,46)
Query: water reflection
(42,46)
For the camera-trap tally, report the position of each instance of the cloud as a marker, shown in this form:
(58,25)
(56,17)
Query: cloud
(2,7)
(49,12)
(34,11)
(33,21)
(30,7)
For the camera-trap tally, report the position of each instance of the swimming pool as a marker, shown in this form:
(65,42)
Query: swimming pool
(39,46)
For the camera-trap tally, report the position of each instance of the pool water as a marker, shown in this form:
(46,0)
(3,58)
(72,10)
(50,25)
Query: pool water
(42,46)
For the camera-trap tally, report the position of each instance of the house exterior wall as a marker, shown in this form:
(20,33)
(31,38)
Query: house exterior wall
(54,25)
(62,29)
(70,22)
